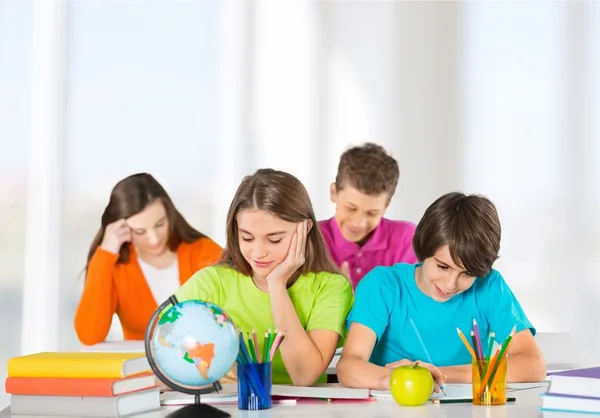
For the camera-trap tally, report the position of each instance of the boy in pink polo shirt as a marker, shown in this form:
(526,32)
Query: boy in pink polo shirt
(358,237)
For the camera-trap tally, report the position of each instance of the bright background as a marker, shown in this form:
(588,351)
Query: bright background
(494,98)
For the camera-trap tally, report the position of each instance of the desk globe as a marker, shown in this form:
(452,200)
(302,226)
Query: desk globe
(190,346)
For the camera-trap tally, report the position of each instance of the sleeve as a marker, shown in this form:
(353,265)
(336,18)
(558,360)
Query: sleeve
(203,285)
(331,306)
(374,300)
(208,253)
(98,302)
(503,308)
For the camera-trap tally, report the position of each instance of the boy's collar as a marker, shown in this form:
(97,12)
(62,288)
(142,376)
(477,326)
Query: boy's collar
(377,241)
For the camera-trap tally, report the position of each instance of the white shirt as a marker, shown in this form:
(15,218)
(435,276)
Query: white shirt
(162,282)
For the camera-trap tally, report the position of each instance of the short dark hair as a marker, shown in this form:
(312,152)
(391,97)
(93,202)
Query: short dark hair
(469,225)
(368,168)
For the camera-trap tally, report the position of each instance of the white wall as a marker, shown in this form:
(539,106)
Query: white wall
(15,88)
(393,80)
(141,97)
(491,98)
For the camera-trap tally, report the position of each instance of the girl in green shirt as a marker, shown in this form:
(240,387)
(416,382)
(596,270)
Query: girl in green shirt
(276,273)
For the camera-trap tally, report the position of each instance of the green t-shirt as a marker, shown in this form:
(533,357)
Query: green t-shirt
(322,301)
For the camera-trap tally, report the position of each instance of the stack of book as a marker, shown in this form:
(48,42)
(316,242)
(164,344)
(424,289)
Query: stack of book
(575,390)
(92,384)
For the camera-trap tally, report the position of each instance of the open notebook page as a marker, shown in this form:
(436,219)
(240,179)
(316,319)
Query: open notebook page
(457,391)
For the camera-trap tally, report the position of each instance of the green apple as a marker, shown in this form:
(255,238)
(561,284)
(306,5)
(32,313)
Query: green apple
(411,385)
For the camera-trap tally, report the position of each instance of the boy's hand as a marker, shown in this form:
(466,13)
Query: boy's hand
(403,362)
(438,377)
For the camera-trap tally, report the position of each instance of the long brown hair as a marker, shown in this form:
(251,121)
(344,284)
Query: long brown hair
(129,197)
(285,197)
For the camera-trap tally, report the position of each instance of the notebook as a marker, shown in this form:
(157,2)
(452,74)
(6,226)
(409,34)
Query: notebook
(327,391)
(454,391)
(460,391)
(280,394)
(580,382)
(171,398)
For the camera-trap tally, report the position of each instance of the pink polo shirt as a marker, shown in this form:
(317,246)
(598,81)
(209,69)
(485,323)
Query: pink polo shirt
(390,243)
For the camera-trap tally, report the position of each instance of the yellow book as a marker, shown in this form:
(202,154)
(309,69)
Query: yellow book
(78,364)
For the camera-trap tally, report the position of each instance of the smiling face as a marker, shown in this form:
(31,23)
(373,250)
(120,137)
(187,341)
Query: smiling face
(441,279)
(264,240)
(150,229)
(357,214)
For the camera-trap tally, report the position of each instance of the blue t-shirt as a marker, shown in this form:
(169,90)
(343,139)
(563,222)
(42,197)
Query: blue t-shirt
(388,297)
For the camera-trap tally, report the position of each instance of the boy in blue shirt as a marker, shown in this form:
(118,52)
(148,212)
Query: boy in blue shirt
(456,243)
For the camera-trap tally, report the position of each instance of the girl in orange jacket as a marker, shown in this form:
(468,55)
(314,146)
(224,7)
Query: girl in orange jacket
(142,253)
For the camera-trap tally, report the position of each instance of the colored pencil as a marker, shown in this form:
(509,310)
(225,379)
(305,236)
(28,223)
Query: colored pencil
(490,364)
(490,343)
(474,341)
(442,400)
(481,365)
(275,346)
(504,351)
(251,350)
(486,378)
(251,372)
(272,337)
(424,348)
(244,350)
(487,358)
(502,355)
(268,346)
(466,343)
(478,340)
(265,343)
(256,346)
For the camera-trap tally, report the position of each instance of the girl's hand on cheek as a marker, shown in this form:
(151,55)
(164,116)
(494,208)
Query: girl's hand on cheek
(280,275)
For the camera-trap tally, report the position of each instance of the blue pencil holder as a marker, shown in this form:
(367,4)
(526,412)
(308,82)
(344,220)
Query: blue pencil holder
(254,386)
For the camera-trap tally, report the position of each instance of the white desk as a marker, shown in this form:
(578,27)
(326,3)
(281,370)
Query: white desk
(526,406)
(559,348)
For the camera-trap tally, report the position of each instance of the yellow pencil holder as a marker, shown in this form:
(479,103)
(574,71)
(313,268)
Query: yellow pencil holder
(489,382)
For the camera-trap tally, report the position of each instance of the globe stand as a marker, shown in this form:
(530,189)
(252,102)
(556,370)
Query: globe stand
(197,409)
(200,410)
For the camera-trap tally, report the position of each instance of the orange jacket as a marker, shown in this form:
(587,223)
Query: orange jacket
(122,289)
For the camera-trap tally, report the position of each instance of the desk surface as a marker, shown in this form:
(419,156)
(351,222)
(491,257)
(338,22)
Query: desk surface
(527,405)
(557,348)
